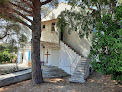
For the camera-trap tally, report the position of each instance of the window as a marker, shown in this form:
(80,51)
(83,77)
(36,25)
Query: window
(53,27)
(43,27)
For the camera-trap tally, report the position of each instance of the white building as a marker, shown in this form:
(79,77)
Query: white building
(70,54)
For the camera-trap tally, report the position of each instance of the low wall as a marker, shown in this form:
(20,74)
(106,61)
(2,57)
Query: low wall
(15,77)
(52,72)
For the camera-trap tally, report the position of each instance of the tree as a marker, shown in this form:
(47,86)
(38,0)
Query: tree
(12,33)
(8,46)
(100,7)
(106,47)
(19,11)
(80,21)
(106,51)
(45,10)
(83,21)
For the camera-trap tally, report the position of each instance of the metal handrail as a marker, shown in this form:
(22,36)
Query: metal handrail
(73,62)
(86,70)
(74,58)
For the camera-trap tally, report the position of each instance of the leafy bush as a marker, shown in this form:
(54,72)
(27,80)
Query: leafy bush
(106,50)
(6,56)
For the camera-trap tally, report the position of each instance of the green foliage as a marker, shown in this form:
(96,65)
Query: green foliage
(16,33)
(45,10)
(23,38)
(61,24)
(3,1)
(99,7)
(80,21)
(8,46)
(106,50)
(91,3)
(6,56)
(118,13)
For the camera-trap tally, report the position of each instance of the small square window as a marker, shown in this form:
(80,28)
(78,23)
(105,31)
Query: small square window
(53,27)
(43,26)
(53,23)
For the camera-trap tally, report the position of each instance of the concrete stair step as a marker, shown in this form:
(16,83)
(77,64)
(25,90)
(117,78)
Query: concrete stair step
(78,66)
(52,70)
(78,73)
(79,69)
(77,80)
(81,63)
(77,76)
(53,75)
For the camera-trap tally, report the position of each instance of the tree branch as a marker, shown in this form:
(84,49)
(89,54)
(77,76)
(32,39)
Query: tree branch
(6,33)
(27,3)
(45,2)
(10,16)
(22,15)
(20,8)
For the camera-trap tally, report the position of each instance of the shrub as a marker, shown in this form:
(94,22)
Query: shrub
(6,56)
(106,50)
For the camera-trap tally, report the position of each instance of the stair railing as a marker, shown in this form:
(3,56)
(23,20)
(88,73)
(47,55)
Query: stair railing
(72,48)
(74,58)
(72,63)
(86,66)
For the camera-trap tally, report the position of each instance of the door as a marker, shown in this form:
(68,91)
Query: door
(55,57)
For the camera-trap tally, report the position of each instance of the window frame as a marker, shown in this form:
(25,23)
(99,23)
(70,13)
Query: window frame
(43,26)
(53,27)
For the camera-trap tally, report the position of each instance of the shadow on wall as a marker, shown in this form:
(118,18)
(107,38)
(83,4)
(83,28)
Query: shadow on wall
(82,46)
(69,58)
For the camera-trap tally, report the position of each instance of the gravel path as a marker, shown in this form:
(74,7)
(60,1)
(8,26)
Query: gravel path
(95,83)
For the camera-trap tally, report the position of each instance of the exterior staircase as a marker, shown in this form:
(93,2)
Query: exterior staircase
(73,49)
(81,71)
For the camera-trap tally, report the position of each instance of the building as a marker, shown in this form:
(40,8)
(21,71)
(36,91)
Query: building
(69,53)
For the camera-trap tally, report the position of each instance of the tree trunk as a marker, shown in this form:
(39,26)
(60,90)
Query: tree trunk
(35,46)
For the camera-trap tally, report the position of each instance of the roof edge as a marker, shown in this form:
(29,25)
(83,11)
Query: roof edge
(54,8)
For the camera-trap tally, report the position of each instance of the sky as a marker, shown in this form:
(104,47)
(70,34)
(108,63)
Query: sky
(62,1)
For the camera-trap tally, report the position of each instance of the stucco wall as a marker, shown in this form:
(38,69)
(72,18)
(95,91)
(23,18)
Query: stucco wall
(80,45)
(68,58)
(25,56)
(47,35)
(53,58)
(53,14)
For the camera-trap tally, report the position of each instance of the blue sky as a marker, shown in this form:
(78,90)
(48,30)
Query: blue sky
(62,1)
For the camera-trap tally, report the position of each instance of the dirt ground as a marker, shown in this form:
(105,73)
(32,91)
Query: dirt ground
(95,83)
